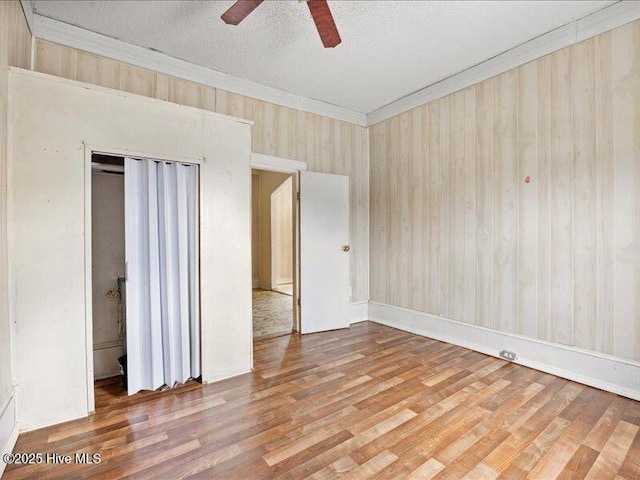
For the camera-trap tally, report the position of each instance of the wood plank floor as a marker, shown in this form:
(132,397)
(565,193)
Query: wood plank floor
(369,402)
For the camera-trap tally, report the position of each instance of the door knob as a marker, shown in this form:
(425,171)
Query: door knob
(346,248)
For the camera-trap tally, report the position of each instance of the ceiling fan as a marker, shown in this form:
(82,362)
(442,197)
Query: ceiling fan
(318,8)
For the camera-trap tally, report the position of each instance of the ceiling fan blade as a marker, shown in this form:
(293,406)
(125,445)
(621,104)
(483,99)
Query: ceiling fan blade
(324,23)
(239,11)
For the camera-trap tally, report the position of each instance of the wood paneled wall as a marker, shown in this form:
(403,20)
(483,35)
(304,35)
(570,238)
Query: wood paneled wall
(515,204)
(15,50)
(327,145)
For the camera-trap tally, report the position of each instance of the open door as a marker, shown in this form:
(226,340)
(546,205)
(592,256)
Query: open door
(324,251)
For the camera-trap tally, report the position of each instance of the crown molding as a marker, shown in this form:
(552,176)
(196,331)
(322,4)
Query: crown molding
(27,8)
(610,17)
(615,15)
(63,33)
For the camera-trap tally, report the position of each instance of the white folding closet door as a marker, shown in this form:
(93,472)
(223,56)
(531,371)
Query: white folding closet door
(161,237)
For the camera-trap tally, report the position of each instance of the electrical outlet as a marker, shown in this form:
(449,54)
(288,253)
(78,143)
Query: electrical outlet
(507,355)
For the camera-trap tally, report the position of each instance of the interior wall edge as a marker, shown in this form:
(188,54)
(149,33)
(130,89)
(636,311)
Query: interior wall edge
(601,371)
(8,429)
(15,50)
(359,311)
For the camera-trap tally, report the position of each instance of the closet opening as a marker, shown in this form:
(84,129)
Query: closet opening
(108,272)
(145,274)
(273,252)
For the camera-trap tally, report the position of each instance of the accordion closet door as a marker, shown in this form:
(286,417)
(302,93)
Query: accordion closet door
(161,252)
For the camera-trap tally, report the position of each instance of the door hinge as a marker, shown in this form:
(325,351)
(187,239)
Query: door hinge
(298,301)
(298,195)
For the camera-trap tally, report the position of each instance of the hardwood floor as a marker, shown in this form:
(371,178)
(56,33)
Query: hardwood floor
(369,402)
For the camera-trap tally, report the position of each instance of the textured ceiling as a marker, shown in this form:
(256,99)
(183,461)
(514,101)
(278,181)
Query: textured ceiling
(389,48)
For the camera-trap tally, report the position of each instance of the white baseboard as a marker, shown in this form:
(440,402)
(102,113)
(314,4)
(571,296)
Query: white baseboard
(108,375)
(105,361)
(219,376)
(24,428)
(598,370)
(8,429)
(359,311)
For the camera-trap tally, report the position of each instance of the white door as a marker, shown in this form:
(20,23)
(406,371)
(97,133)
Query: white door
(324,255)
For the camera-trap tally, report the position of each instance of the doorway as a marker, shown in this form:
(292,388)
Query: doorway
(108,268)
(321,250)
(144,275)
(273,253)
(108,274)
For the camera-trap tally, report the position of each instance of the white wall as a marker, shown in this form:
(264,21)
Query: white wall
(50,121)
(15,49)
